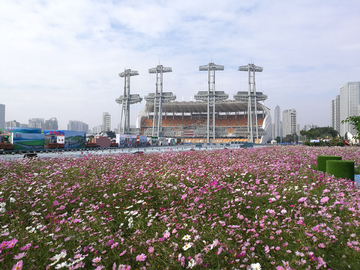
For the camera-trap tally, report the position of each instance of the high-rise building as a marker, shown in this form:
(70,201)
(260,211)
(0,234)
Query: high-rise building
(51,124)
(289,122)
(97,129)
(307,127)
(106,122)
(77,126)
(349,105)
(277,123)
(36,123)
(12,123)
(335,113)
(2,116)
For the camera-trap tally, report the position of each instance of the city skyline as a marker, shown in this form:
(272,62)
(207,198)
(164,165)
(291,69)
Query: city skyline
(62,59)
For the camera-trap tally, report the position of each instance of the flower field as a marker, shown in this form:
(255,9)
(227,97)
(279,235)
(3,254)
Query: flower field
(261,208)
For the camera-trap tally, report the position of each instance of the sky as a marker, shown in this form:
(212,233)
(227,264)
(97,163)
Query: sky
(62,58)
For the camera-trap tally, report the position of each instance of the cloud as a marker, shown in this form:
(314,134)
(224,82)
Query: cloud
(62,58)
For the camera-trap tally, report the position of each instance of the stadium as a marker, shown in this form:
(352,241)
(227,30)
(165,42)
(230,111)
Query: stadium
(188,120)
(212,118)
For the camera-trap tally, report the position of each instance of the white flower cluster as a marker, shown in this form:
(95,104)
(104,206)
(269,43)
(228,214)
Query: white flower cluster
(78,258)
(2,207)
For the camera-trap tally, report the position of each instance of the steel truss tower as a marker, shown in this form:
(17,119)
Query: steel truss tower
(252,107)
(211,97)
(158,98)
(126,100)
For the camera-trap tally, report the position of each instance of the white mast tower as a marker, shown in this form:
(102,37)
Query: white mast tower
(211,96)
(158,98)
(127,99)
(252,121)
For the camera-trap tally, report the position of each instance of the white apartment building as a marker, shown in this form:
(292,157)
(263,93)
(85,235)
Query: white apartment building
(289,122)
(97,129)
(335,113)
(77,126)
(277,122)
(36,123)
(51,124)
(2,116)
(106,122)
(349,105)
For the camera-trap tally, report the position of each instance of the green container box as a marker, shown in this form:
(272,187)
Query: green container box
(341,168)
(321,161)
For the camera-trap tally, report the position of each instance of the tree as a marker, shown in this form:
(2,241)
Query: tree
(319,132)
(355,121)
(111,134)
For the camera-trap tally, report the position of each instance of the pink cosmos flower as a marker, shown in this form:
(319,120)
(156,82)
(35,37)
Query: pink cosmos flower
(167,235)
(18,265)
(141,257)
(325,199)
(151,250)
(96,259)
(122,253)
(19,256)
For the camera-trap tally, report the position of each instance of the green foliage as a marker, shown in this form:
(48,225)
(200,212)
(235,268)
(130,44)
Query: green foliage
(319,132)
(324,143)
(355,121)
(291,138)
(111,134)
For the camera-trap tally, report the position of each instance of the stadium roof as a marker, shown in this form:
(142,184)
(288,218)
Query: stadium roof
(201,106)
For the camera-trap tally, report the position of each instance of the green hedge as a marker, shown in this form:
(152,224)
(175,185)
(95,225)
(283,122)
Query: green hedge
(341,168)
(321,161)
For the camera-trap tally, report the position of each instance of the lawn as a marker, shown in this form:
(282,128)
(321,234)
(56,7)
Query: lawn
(261,208)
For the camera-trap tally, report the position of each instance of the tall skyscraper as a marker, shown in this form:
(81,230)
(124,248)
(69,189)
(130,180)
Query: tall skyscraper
(106,122)
(2,116)
(335,113)
(289,122)
(277,122)
(349,105)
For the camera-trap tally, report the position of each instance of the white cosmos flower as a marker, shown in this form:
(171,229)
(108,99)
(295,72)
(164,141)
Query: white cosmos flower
(187,246)
(186,237)
(255,266)
(191,263)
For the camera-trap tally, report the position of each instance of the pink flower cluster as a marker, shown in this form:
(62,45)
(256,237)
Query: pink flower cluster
(249,208)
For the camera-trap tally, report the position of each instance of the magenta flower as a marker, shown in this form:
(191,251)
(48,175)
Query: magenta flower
(141,257)
(325,199)
(18,265)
